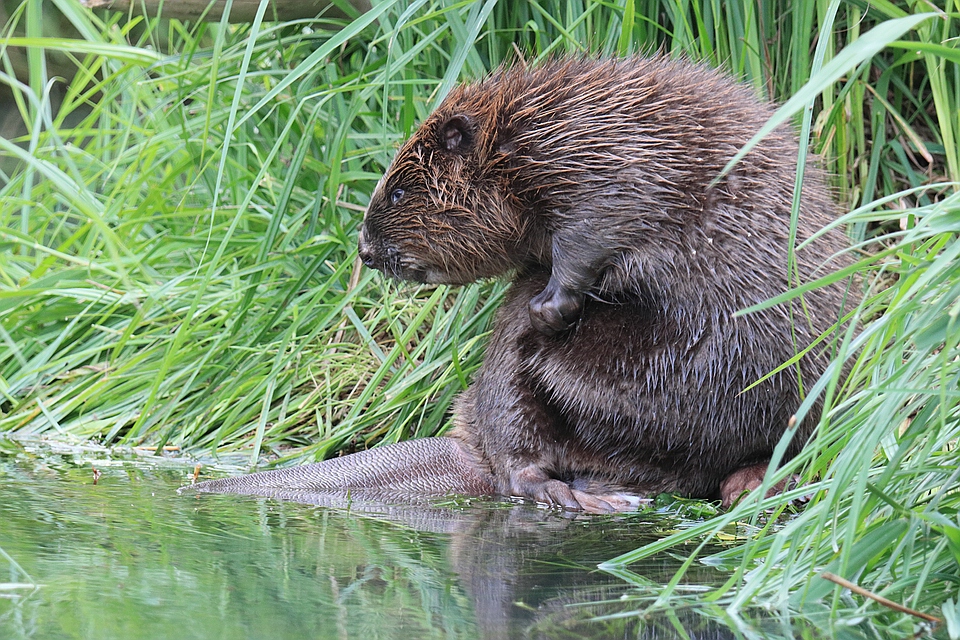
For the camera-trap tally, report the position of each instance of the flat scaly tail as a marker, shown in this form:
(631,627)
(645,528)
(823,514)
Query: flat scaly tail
(406,471)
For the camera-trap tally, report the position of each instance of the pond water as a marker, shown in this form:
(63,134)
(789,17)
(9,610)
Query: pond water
(127,557)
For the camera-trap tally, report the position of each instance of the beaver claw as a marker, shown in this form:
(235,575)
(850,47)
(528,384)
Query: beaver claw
(555,309)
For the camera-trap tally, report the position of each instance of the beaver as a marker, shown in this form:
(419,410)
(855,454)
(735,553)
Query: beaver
(617,367)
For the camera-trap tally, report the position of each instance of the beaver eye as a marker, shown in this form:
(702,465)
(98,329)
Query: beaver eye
(395,196)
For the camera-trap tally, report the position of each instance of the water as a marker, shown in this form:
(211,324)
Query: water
(127,557)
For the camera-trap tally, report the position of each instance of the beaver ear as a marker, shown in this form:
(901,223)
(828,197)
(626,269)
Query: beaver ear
(456,134)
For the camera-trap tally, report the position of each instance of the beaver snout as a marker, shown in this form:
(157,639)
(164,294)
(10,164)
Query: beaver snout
(366,251)
(377,254)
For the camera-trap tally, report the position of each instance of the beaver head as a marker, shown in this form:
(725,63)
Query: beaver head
(444,212)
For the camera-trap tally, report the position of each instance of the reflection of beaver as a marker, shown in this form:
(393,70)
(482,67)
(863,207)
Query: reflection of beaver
(616,367)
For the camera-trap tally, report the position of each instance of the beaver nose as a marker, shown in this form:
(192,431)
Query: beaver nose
(366,257)
(364,249)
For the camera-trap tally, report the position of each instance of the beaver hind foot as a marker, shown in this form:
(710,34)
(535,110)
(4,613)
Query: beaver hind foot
(533,483)
(743,481)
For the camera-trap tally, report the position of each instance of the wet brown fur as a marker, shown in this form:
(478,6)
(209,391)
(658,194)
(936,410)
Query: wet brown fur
(616,366)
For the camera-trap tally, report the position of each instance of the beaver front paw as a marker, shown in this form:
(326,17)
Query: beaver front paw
(555,309)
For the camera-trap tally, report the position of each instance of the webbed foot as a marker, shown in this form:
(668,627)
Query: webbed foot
(534,484)
(749,479)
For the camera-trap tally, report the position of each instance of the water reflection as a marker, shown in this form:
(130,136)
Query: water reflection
(129,558)
(526,571)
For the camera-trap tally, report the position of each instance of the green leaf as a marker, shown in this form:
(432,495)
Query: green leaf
(851,562)
(943,51)
(845,61)
(124,53)
(951,615)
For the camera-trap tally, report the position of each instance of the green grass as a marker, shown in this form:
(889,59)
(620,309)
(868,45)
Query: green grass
(177,248)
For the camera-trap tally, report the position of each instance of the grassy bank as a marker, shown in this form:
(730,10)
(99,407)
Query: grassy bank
(179,217)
